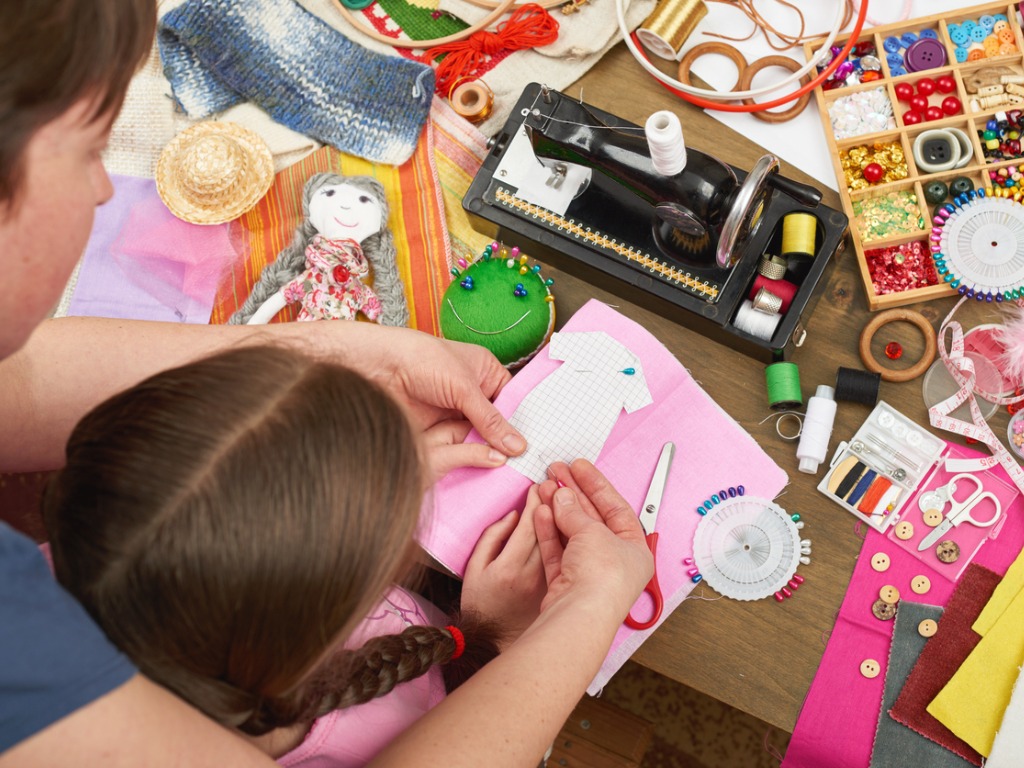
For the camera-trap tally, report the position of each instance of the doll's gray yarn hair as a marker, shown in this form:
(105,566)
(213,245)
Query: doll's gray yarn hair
(379,250)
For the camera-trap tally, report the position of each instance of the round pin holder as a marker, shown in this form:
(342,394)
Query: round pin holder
(748,548)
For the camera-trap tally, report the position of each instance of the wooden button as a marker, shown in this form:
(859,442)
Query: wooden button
(870,668)
(920,584)
(880,562)
(904,530)
(932,517)
(947,551)
(927,628)
(889,594)
(882,610)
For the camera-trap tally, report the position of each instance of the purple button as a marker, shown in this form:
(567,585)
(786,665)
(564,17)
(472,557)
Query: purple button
(926,53)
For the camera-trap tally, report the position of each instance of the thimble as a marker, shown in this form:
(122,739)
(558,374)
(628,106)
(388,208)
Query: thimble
(772,267)
(767,302)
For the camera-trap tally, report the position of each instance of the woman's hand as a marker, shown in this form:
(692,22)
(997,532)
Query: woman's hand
(591,542)
(504,579)
(446,388)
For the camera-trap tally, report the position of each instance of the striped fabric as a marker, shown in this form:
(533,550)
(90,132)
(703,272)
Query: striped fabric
(425,195)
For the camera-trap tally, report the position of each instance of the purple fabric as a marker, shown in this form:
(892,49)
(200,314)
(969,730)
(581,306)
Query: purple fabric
(142,263)
(712,452)
(837,723)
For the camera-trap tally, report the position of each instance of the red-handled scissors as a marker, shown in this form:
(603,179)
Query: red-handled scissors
(648,519)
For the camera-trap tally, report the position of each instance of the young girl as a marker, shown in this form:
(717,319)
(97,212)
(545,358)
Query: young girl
(233,524)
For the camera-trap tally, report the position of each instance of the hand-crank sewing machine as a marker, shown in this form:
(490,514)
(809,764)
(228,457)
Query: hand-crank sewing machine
(734,255)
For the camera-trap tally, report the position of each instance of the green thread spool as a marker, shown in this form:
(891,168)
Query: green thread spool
(783,381)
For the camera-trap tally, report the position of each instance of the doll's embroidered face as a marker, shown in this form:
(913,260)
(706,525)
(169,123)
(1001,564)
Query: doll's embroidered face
(344,211)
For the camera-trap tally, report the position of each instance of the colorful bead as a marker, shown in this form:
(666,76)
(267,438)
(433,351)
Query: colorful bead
(628,371)
(696,579)
(795,517)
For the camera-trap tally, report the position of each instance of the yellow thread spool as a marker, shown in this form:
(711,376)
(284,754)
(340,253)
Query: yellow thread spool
(799,231)
(673,21)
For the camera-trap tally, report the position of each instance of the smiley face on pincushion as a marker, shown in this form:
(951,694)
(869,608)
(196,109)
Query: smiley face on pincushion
(501,303)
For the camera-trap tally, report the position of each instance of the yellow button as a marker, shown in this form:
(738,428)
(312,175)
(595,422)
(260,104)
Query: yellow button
(932,517)
(889,594)
(904,530)
(870,668)
(880,561)
(920,584)
(927,628)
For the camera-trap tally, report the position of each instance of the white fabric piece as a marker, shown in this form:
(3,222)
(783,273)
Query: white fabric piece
(570,414)
(1008,747)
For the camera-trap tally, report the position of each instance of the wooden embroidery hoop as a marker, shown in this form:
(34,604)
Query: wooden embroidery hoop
(895,316)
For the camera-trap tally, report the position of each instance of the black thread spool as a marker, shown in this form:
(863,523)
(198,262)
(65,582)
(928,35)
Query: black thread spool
(857,386)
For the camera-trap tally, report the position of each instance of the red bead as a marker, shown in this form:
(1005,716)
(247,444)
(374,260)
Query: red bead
(872,173)
(786,592)
(904,91)
(945,84)
(779,597)
(919,103)
(893,350)
(933,113)
(913,117)
(341,275)
(925,86)
(951,105)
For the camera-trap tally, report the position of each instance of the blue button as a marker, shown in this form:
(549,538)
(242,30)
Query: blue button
(987,22)
(931,34)
(1000,17)
(894,60)
(908,39)
(969,25)
(960,36)
(897,71)
(892,44)
(961,55)
(978,34)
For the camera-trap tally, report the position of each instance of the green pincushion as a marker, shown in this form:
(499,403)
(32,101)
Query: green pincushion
(501,303)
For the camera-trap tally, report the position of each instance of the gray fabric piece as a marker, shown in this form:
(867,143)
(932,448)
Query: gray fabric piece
(897,746)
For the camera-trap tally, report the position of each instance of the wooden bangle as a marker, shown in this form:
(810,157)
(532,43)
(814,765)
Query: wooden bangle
(895,316)
(747,78)
(697,51)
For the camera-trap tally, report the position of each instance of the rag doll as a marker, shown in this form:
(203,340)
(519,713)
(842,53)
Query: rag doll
(343,234)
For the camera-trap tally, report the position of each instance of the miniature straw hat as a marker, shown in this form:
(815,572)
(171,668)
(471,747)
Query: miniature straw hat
(214,172)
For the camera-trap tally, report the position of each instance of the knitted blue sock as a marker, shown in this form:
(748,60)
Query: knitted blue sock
(305,74)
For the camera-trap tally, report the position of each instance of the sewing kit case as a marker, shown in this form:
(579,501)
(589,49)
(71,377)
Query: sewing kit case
(960,53)
(608,231)
(896,477)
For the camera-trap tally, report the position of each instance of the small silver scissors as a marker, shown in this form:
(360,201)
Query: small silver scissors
(960,511)
(648,519)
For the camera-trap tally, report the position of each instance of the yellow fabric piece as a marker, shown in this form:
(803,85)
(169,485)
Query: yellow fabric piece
(1011,584)
(974,700)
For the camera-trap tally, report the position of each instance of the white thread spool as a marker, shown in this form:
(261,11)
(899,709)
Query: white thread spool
(821,414)
(665,142)
(757,324)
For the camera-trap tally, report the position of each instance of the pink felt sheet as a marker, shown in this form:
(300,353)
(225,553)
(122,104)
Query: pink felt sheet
(837,723)
(713,452)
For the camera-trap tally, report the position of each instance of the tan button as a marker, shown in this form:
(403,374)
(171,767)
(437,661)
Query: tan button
(932,517)
(947,551)
(904,530)
(882,610)
(889,594)
(870,668)
(927,628)
(920,584)
(880,561)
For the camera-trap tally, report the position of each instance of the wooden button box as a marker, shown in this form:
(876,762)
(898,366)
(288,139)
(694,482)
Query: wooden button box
(890,235)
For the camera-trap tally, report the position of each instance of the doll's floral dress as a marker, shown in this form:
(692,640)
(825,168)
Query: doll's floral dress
(332,288)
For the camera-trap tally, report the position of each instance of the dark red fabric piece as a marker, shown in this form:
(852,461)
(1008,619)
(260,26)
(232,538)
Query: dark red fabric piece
(942,657)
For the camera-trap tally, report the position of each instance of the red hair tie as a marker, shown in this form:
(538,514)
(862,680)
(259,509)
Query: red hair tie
(460,641)
(529,27)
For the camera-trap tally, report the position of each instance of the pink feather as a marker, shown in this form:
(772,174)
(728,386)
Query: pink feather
(1011,336)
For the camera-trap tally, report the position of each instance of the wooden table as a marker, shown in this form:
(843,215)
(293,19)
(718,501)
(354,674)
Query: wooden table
(760,657)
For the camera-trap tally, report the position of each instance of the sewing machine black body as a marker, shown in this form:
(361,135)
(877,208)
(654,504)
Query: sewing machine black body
(648,238)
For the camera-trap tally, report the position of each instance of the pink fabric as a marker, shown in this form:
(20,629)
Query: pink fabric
(837,722)
(352,737)
(142,263)
(712,453)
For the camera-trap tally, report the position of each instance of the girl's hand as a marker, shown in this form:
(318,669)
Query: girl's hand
(591,542)
(504,579)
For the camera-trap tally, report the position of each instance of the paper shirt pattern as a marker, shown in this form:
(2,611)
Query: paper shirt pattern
(571,413)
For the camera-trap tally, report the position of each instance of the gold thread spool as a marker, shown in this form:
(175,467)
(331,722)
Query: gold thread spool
(665,31)
(799,231)
(472,100)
